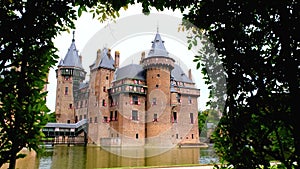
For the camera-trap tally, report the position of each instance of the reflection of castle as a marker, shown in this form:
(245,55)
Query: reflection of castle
(153,103)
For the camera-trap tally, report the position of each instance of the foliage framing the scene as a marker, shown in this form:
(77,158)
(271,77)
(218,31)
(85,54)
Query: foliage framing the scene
(257,41)
(258,44)
(27,52)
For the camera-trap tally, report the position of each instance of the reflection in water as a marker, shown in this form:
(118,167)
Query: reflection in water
(98,157)
(80,157)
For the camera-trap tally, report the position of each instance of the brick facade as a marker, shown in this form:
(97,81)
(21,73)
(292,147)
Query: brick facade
(153,103)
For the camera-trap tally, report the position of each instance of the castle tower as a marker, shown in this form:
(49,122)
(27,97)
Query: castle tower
(158,66)
(101,76)
(69,74)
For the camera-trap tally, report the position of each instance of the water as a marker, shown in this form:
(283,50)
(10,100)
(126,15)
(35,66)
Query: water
(80,157)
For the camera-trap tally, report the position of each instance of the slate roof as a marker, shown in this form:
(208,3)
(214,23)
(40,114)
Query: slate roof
(106,61)
(132,71)
(158,47)
(83,85)
(72,58)
(179,75)
(135,71)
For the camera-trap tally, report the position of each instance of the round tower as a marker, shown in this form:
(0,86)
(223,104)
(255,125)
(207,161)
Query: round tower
(158,66)
(69,74)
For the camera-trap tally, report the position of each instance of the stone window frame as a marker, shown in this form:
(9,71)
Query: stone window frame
(134,115)
(66,90)
(154,101)
(135,100)
(192,118)
(155,117)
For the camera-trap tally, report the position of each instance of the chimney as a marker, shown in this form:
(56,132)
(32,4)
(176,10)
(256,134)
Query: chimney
(98,54)
(117,59)
(190,74)
(142,57)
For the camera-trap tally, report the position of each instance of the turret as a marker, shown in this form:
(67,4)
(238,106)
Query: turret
(117,59)
(70,74)
(158,66)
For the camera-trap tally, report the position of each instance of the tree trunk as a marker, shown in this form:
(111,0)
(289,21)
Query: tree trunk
(12,161)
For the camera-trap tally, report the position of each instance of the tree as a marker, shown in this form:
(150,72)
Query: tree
(256,41)
(259,47)
(26,54)
(202,116)
(258,44)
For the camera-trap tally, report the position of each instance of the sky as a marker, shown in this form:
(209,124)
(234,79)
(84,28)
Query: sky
(130,34)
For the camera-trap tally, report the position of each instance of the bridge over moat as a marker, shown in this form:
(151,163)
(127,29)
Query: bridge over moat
(66,133)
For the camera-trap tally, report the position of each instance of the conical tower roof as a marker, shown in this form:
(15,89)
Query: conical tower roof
(72,58)
(158,47)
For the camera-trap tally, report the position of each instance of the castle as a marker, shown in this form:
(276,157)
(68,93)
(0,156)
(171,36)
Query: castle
(153,103)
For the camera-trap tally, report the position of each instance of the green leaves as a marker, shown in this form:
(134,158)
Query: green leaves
(248,40)
(81,9)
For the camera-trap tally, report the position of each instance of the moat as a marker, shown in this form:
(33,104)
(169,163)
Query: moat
(81,157)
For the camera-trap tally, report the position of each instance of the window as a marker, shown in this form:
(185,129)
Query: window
(106,77)
(157,86)
(111,100)
(176,136)
(91,120)
(111,118)
(84,116)
(70,106)
(96,120)
(104,89)
(105,119)
(174,119)
(135,100)
(66,91)
(153,101)
(189,100)
(178,98)
(116,115)
(134,115)
(155,117)
(137,136)
(158,75)
(80,117)
(192,118)
(192,136)
(103,102)
(81,104)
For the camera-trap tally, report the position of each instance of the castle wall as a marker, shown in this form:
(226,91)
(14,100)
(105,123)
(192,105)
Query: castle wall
(131,112)
(98,108)
(64,108)
(158,116)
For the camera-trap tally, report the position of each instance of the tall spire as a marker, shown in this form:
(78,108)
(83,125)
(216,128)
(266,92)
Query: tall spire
(73,40)
(158,47)
(72,58)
